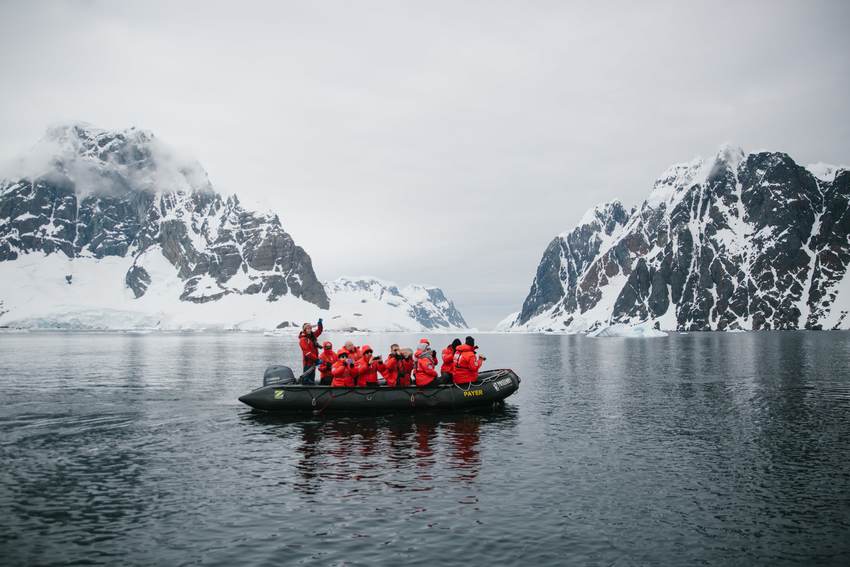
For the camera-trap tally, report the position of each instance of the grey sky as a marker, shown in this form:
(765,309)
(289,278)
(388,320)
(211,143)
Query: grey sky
(435,142)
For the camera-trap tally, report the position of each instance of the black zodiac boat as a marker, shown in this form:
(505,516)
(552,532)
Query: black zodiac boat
(280,392)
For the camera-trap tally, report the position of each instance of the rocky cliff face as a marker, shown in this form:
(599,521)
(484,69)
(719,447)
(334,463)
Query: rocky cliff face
(742,241)
(112,230)
(90,193)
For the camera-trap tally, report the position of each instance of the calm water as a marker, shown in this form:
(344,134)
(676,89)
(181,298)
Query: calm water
(692,449)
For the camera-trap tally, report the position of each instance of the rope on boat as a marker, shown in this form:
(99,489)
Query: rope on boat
(486,380)
(427,393)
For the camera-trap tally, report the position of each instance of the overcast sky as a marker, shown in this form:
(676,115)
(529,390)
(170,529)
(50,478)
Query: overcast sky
(435,142)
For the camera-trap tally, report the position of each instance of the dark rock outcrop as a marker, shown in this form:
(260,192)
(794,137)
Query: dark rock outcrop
(105,193)
(741,242)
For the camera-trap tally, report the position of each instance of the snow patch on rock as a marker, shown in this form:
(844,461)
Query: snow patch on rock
(826,172)
(745,241)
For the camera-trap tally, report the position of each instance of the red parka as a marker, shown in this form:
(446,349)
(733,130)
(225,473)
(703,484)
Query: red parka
(425,371)
(344,374)
(466,365)
(326,361)
(397,372)
(355,353)
(448,366)
(310,346)
(368,368)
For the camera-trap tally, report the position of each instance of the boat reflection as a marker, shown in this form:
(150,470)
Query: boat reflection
(411,452)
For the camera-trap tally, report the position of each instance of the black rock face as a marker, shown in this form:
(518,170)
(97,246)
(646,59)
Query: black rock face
(743,242)
(109,194)
(568,256)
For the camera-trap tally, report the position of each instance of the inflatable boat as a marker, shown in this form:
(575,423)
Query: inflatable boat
(281,392)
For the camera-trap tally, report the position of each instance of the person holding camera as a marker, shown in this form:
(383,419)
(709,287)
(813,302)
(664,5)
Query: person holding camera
(466,363)
(368,368)
(344,371)
(327,358)
(354,353)
(390,371)
(398,367)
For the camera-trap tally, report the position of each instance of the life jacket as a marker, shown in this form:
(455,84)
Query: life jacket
(425,372)
(466,365)
(309,346)
(448,366)
(343,374)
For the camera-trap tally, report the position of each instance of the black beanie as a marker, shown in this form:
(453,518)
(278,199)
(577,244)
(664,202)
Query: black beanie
(455,343)
(470,341)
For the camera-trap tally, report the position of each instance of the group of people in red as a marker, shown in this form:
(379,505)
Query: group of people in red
(360,367)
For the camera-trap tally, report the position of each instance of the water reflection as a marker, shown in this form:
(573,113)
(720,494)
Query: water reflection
(691,449)
(412,452)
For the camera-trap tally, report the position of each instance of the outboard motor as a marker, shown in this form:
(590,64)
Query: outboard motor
(278,375)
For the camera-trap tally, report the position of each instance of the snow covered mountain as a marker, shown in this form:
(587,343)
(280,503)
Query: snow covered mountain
(112,229)
(742,241)
(380,305)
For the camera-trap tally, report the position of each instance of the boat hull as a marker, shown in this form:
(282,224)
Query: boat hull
(492,388)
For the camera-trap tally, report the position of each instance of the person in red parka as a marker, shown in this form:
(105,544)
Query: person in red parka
(354,353)
(426,374)
(466,363)
(421,347)
(307,340)
(448,367)
(388,374)
(344,371)
(398,367)
(326,361)
(368,368)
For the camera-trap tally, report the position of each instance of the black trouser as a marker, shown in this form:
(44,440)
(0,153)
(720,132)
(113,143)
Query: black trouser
(309,377)
(326,381)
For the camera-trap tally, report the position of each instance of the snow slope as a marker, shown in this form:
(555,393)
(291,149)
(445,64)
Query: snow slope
(370,303)
(112,230)
(55,292)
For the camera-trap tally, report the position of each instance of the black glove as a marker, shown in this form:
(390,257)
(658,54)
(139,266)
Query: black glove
(320,322)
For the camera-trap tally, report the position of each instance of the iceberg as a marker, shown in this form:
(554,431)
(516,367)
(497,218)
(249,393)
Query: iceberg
(640,331)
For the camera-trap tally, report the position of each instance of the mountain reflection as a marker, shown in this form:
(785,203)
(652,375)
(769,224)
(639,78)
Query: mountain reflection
(413,452)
